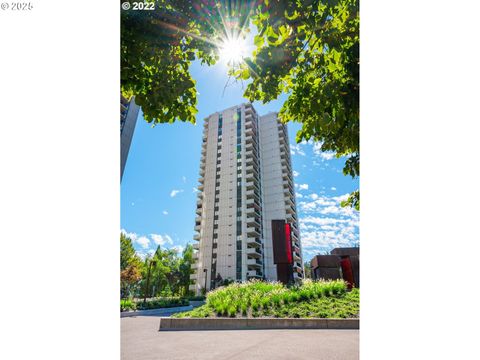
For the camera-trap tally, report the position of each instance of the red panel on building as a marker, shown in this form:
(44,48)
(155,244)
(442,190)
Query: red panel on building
(288,243)
(282,242)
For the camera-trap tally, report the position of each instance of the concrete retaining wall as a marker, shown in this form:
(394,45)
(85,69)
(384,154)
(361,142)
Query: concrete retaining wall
(255,323)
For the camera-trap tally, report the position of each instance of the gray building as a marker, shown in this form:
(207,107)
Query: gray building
(128,119)
(246,181)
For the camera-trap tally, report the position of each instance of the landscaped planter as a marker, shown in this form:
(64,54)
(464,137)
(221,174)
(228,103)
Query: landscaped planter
(255,323)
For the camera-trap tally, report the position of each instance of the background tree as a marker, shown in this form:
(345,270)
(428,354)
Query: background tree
(185,269)
(310,50)
(307,269)
(130,266)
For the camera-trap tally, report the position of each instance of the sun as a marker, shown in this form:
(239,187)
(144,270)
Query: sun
(233,50)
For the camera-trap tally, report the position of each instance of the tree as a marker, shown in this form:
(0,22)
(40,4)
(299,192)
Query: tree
(185,269)
(129,277)
(127,252)
(307,269)
(130,265)
(310,50)
(157,48)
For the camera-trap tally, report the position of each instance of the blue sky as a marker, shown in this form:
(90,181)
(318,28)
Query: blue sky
(158,196)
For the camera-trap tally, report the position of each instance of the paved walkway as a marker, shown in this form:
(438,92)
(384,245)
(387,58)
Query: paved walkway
(157,312)
(141,340)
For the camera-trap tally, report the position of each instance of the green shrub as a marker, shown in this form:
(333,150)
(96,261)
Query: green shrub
(127,305)
(326,299)
(156,303)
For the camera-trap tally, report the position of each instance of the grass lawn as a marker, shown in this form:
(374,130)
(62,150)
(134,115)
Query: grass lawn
(312,299)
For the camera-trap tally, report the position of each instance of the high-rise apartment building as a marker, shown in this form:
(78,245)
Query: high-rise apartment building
(246,182)
(128,119)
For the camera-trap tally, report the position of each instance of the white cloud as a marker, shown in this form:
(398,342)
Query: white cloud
(161,239)
(296,149)
(175,192)
(295,173)
(325,224)
(132,236)
(165,212)
(324,155)
(195,190)
(327,155)
(143,241)
(184,179)
(179,248)
(299,196)
(303,187)
(333,188)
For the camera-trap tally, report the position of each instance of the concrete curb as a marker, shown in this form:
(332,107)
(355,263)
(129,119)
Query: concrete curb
(158,311)
(255,323)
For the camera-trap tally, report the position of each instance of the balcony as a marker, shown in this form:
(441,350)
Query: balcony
(254,252)
(289,202)
(289,192)
(196,246)
(298,269)
(254,263)
(297,256)
(193,276)
(252,185)
(253,203)
(291,219)
(252,212)
(196,237)
(287,183)
(197,227)
(253,232)
(295,237)
(253,274)
(296,248)
(252,194)
(251,155)
(290,210)
(253,222)
(252,241)
(251,140)
(252,169)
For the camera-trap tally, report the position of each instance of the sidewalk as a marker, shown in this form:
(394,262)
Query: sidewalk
(141,340)
(156,312)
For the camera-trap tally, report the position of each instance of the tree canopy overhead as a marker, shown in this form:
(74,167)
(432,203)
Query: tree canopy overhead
(308,49)
(158,47)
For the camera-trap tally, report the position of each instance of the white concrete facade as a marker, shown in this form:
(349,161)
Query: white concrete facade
(245,174)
